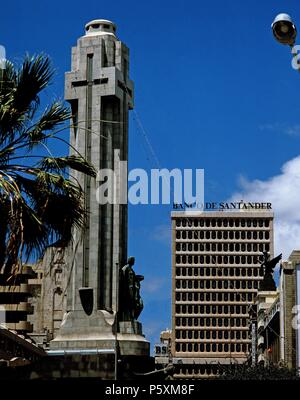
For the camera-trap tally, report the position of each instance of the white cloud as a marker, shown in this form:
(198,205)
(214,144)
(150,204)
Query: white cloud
(283,191)
(293,130)
(153,285)
(287,129)
(162,233)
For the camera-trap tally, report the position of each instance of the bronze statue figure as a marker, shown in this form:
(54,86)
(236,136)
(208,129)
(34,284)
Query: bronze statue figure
(267,268)
(268,264)
(131,303)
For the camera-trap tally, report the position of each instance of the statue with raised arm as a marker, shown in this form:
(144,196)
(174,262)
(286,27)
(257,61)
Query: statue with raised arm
(131,303)
(267,268)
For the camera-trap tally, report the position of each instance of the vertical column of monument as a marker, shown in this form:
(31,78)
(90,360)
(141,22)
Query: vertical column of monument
(77,94)
(98,140)
(109,126)
(121,143)
(99,92)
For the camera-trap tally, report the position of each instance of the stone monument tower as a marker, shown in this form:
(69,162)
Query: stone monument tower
(100,93)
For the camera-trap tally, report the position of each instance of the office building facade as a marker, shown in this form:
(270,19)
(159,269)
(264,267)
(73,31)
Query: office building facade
(215,278)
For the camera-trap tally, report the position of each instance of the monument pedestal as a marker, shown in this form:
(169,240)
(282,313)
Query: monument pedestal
(131,340)
(81,331)
(87,346)
(97,333)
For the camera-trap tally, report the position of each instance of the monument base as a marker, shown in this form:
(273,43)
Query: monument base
(97,334)
(131,340)
(88,347)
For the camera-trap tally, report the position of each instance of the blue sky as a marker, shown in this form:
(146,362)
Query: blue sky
(213,90)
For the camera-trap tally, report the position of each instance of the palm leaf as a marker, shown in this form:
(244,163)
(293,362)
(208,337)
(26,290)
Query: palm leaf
(74,162)
(53,117)
(39,204)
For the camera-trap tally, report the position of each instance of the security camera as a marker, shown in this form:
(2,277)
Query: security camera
(284,29)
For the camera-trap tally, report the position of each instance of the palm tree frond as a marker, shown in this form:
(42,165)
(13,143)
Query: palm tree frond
(34,75)
(39,203)
(53,116)
(74,162)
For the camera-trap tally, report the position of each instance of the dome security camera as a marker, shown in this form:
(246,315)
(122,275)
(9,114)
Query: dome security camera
(284,30)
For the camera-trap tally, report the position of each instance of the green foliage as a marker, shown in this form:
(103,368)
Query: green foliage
(39,204)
